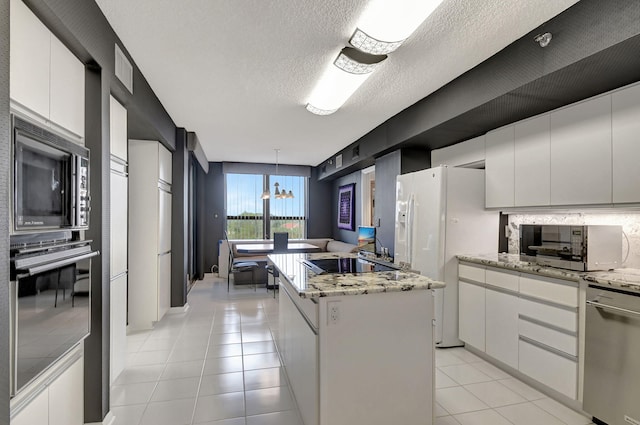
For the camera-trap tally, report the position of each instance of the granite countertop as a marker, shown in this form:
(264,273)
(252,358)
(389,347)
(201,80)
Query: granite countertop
(626,279)
(311,285)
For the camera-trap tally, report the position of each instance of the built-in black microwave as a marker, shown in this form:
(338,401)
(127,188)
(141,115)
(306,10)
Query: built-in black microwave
(50,180)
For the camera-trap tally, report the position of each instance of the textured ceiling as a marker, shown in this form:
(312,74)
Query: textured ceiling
(238,72)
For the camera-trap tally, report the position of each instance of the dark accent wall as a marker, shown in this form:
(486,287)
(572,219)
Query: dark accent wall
(201,223)
(96,346)
(214,213)
(594,50)
(179,219)
(387,168)
(319,218)
(341,234)
(5,151)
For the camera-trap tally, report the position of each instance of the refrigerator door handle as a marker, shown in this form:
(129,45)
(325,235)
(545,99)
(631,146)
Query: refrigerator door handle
(409,230)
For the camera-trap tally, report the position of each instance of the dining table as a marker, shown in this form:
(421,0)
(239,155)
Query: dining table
(267,248)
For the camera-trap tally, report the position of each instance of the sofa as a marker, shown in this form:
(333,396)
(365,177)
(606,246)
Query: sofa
(324,244)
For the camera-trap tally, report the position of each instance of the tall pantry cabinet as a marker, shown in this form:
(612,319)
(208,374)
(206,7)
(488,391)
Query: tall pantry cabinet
(149,233)
(118,237)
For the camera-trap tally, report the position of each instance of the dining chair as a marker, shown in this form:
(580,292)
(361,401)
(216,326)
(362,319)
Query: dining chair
(280,246)
(240,266)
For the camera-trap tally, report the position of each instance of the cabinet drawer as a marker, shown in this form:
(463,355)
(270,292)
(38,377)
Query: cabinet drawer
(553,338)
(475,273)
(551,369)
(554,290)
(505,280)
(555,316)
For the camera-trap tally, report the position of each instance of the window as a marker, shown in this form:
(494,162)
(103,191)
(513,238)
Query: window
(246,211)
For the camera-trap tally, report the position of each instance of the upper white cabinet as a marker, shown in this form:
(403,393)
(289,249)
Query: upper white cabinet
(67,88)
(626,147)
(499,167)
(45,77)
(30,59)
(165,164)
(118,128)
(581,153)
(532,162)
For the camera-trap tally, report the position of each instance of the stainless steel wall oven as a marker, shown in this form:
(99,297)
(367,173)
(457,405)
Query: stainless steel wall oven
(50,300)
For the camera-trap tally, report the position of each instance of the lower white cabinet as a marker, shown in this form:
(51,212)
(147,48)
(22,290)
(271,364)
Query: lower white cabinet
(358,369)
(118,322)
(37,412)
(525,321)
(299,348)
(502,326)
(471,299)
(66,397)
(60,403)
(552,369)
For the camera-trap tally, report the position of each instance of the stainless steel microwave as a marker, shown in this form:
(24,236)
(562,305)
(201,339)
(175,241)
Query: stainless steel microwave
(50,179)
(580,248)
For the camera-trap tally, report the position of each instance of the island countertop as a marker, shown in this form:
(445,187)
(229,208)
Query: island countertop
(625,279)
(308,284)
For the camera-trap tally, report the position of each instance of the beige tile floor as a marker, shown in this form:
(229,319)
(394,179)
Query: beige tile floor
(217,364)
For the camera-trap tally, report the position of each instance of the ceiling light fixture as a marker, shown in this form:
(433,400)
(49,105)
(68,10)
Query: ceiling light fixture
(385,25)
(341,79)
(278,194)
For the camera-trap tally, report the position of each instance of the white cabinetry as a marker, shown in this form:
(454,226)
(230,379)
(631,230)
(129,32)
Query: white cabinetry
(525,321)
(45,77)
(626,149)
(37,412)
(118,128)
(61,402)
(472,314)
(66,397)
(30,59)
(149,233)
(581,153)
(341,373)
(67,88)
(119,237)
(298,345)
(502,326)
(532,162)
(499,167)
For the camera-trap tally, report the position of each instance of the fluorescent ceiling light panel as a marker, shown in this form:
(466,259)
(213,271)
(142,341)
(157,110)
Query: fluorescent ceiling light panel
(385,24)
(341,79)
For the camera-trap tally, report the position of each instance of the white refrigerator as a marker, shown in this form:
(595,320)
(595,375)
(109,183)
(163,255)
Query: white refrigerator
(440,213)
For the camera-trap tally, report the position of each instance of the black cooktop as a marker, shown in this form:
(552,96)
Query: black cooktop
(346,265)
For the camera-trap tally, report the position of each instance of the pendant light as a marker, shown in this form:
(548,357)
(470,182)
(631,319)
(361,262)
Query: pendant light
(278,194)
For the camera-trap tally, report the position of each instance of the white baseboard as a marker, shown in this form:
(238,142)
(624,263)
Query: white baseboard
(110,419)
(178,310)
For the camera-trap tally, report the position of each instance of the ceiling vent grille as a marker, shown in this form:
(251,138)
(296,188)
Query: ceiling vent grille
(124,70)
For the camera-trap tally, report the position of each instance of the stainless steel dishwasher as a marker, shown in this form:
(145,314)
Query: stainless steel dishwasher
(612,356)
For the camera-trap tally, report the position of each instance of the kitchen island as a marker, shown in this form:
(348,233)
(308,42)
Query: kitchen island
(357,347)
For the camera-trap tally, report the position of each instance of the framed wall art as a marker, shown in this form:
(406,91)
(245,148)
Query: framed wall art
(346,207)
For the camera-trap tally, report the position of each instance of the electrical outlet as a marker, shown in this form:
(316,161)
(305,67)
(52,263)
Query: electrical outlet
(333,312)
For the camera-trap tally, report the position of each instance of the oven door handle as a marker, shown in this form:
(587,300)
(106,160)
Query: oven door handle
(50,266)
(598,304)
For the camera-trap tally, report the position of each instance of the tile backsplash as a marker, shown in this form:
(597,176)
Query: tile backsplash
(630,222)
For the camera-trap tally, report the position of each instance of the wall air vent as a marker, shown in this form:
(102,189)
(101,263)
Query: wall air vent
(124,70)
(355,153)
